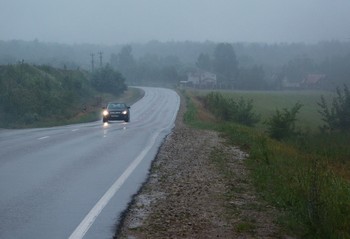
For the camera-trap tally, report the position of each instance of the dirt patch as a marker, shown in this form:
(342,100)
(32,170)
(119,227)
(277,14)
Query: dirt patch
(198,187)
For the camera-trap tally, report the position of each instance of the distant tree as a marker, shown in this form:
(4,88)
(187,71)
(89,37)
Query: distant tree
(170,60)
(124,62)
(170,75)
(108,80)
(151,69)
(251,78)
(298,68)
(225,64)
(204,62)
(148,69)
(337,70)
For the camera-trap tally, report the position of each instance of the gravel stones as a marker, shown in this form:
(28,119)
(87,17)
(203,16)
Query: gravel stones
(186,194)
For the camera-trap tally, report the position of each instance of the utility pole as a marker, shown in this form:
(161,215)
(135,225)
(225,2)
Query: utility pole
(92,61)
(100,53)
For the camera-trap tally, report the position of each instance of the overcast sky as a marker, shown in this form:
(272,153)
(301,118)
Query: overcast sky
(123,21)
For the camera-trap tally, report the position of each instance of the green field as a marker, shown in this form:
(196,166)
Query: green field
(267,102)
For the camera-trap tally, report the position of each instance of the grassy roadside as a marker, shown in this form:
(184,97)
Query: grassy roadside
(93,113)
(314,201)
(89,111)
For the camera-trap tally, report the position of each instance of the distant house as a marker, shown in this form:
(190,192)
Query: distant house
(313,81)
(310,81)
(201,79)
(286,84)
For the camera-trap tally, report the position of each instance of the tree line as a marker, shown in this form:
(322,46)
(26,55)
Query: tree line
(255,66)
(234,71)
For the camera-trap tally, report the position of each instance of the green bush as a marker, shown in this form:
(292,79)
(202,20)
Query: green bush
(243,112)
(281,125)
(108,80)
(228,109)
(338,116)
(29,94)
(218,105)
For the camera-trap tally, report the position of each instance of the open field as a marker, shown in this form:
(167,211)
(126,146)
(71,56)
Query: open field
(266,102)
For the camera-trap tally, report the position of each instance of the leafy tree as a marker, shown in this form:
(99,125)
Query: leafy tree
(170,74)
(151,69)
(108,80)
(298,68)
(281,125)
(225,64)
(338,116)
(204,62)
(337,69)
(251,78)
(124,62)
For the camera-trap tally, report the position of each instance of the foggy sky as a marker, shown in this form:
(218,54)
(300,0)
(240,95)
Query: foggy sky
(122,21)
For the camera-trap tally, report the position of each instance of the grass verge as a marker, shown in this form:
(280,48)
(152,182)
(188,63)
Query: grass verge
(87,112)
(313,199)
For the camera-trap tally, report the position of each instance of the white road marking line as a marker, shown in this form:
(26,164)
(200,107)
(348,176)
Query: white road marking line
(73,130)
(90,218)
(45,137)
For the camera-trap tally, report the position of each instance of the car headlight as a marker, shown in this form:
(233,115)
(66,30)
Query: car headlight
(105,113)
(124,112)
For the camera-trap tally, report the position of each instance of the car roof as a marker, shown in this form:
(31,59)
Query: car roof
(117,103)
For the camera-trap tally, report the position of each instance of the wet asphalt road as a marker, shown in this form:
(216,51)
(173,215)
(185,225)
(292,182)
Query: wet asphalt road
(74,181)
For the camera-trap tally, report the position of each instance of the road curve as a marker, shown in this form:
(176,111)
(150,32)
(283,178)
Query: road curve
(74,181)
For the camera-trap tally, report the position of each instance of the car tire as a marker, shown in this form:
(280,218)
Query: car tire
(127,119)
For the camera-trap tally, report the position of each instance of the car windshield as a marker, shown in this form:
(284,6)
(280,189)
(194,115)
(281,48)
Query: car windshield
(116,106)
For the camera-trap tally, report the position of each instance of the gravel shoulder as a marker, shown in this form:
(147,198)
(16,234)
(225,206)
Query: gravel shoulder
(198,187)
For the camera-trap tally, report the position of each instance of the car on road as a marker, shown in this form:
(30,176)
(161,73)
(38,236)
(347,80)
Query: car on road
(116,111)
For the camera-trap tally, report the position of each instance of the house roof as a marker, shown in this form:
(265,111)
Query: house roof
(312,79)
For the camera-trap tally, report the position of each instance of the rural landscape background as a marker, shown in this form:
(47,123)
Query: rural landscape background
(287,105)
(275,82)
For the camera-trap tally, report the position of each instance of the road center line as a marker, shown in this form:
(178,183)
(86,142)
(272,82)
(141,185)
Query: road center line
(45,137)
(90,218)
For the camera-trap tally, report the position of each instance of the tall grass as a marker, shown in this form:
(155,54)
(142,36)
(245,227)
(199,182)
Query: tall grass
(299,176)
